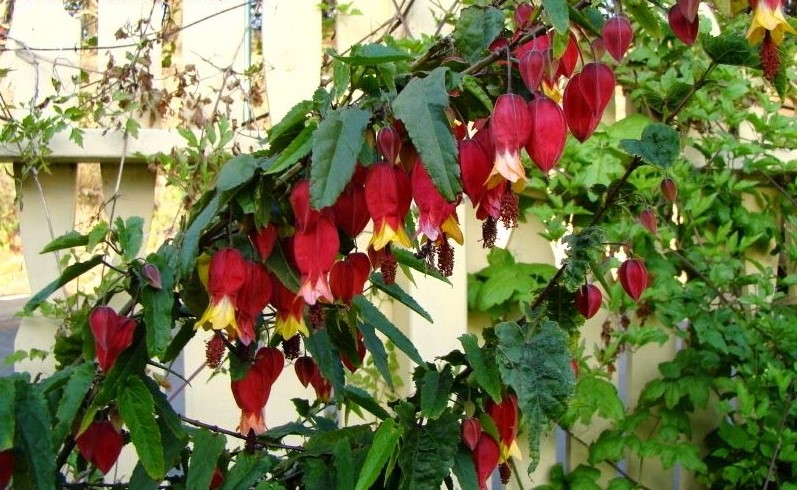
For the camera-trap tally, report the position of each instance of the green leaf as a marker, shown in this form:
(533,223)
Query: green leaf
(406,258)
(158,303)
(97,235)
(730,49)
(236,172)
(610,446)
(138,411)
(167,417)
(435,388)
(297,149)
(32,438)
(485,370)
(327,357)
(69,240)
(395,292)
(71,272)
(343,459)
(428,451)
(476,28)
(465,470)
(366,401)
(659,146)
(558,13)
(374,54)
(283,132)
(7,422)
(130,235)
(278,264)
(196,226)
(247,470)
(645,17)
(335,148)
(207,449)
(385,441)
(376,348)
(421,107)
(372,315)
(535,362)
(74,393)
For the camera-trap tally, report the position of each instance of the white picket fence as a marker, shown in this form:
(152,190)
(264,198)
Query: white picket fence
(215,34)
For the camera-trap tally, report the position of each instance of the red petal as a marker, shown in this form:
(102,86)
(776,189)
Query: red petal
(388,193)
(112,333)
(581,120)
(471,430)
(548,133)
(351,213)
(316,248)
(474,165)
(689,8)
(300,203)
(509,123)
(683,29)
(597,85)
(100,444)
(617,35)
(389,143)
(633,277)
(485,457)
(6,467)
(256,292)
(522,15)
(227,274)
(569,60)
(264,240)
(505,416)
(588,300)
(532,69)
(306,369)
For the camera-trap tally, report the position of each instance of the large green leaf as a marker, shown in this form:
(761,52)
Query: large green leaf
(138,412)
(69,273)
(421,107)
(247,470)
(730,49)
(236,172)
(435,388)
(158,303)
(535,362)
(485,370)
(659,146)
(207,448)
(371,314)
(427,452)
(343,460)
(383,447)
(395,292)
(335,148)
(297,149)
(476,28)
(366,401)
(282,133)
(326,356)
(465,470)
(278,264)
(32,439)
(73,395)
(558,14)
(376,348)
(7,423)
(190,237)
(70,239)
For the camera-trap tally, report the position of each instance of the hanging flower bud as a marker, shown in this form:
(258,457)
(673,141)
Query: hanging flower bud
(648,220)
(506,418)
(668,189)
(522,15)
(264,240)
(437,216)
(347,277)
(322,387)
(251,392)
(112,333)
(306,369)
(389,143)
(548,133)
(388,195)
(152,276)
(683,29)
(252,299)
(226,277)
(300,203)
(597,85)
(509,126)
(633,277)
(100,445)
(532,69)
(581,119)
(588,300)
(6,467)
(471,431)
(688,8)
(353,364)
(351,212)
(485,458)
(617,36)
(315,249)
(290,309)
(474,166)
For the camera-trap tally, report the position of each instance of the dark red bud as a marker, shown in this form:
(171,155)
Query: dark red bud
(306,369)
(522,15)
(389,143)
(633,277)
(683,29)
(100,445)
(471,430)
(669,190)
(152,276)
(588,300)
(617,35)
(648,219)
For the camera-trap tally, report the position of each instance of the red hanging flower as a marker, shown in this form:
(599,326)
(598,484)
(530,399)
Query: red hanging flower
(474,166)
(485,458)
(253,390)
(388,195)
(290,309)
(509,126)
(112,333)
(351,212)
(226,277)
(353,364)
(100,445)
(347,277)
(548,133)
(505,416)
(315,249)
(437,216)
(252,299)
(6,467)
(264,240)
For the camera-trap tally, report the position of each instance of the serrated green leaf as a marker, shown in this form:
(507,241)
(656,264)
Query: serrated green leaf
(196,225)
(558,13)
(336,145)
(343,459)
(7,422)
(535,362)
(366,401)
(68,240)
(130,235)
(32,438)
(435,388)
(374,54)
(247,470)
(284,131)
(471,85)
(476,28)
(376,348)
(485,370)
(610,446)
(421,107)
(427,452)
(645,17)
(138,412)
(167,417)
(730,49)
(207,449)
(97,235)
(659,146)
(320,346)
(395,292)
(384,445)
(158,303)
(236,171)
(465,470)
(297,149)
(73,395)
(69,273)
(371,315)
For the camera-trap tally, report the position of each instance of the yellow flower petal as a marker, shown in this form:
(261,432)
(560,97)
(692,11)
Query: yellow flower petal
(219,316)
(387,234)
(289,326)
(452,229)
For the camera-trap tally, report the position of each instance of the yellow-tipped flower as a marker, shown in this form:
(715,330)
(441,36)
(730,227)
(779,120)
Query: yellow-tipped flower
(226,276)
(768,17)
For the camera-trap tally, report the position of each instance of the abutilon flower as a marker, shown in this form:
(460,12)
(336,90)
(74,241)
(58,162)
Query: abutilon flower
(308,374)
(485,457)
(290,309)
(315,249)
(300,203)
(264,240)
(351,212)
(347,277)
(548,133)
(112,333)
(474,168)
(6,467)
(353,364)
(768,18)
(568,60)
(683,28)
(252,299)
(388,195)
(532,68)
(226,277)
(617,35)
(252,391)
(505,416)
(586,96)
(152,276)
(438,218)
(470,432)
(100,445)
(509,126)
(389,142)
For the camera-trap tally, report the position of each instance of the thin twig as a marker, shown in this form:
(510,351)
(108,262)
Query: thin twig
(614,465)
(226,432)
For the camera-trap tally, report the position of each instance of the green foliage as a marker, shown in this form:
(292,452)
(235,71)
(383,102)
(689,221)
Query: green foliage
(427,452)
(138,411)
(476,28)
(659,146)
(207,449)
